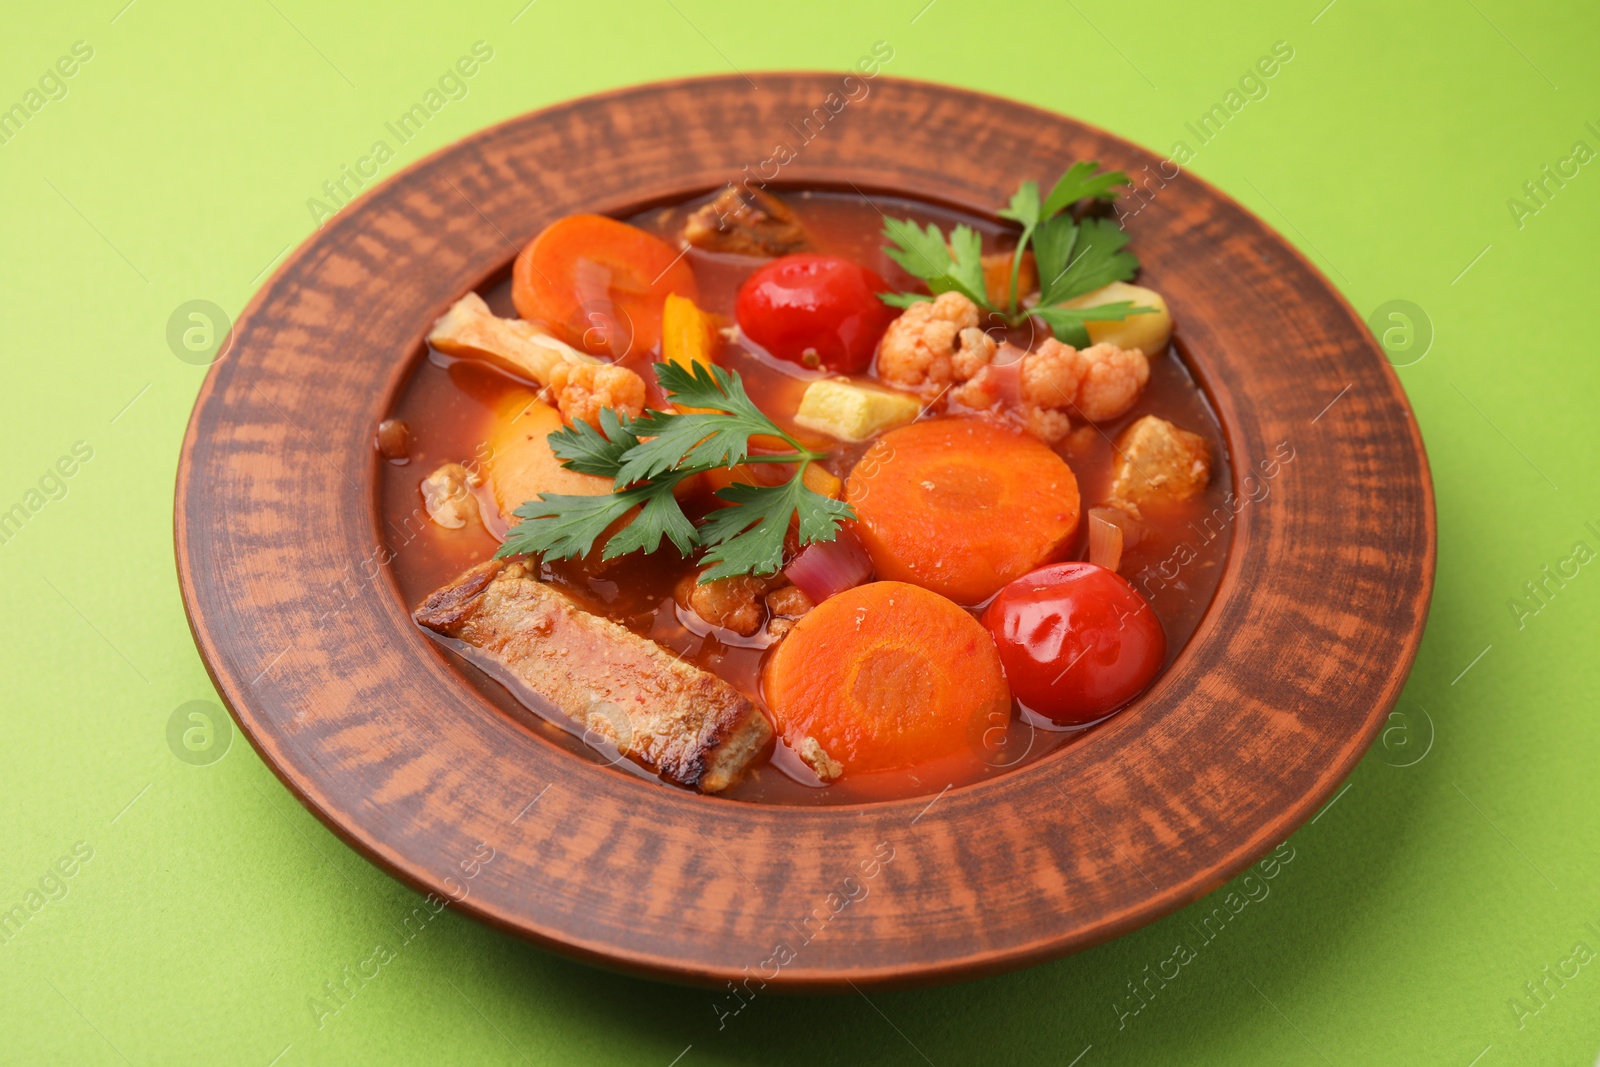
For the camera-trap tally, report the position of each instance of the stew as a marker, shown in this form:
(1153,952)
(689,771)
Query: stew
(889,508)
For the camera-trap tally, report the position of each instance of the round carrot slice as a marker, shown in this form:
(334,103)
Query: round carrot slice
(883,676)
(962,506)
(599,284)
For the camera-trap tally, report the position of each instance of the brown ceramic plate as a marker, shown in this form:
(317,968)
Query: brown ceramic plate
(1302,654)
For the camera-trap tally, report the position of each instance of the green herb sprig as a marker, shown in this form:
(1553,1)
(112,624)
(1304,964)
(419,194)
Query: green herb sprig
(1072,257)
(649,456)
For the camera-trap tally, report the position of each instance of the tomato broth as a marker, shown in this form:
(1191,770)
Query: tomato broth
(449,404)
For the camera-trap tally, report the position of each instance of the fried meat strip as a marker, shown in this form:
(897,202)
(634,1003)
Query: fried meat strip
(684,723)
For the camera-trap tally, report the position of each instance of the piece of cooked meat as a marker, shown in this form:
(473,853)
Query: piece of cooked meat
(733,603)
(447,496)
(789,602)
(470,330)
(754,223)
(813,755)
(785,606)
(684,723)
(1158,463)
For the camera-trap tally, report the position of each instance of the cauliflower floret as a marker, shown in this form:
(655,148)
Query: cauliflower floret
(973,354)
(996,383)
(1112,382)
(1048,424)
(582,389)
(980,393)
(1099,383)
(934,344)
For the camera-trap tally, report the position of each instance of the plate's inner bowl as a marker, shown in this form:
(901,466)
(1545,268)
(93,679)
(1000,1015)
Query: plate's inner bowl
(450,404)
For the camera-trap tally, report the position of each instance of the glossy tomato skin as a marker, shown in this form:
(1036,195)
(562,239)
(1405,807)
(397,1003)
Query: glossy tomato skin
(811,303)
(1077,641)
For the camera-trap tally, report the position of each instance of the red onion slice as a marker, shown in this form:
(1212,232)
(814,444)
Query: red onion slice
(828,567)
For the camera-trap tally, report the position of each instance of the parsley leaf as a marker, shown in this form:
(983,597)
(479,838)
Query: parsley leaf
(1097,260)
(903,300)
(650,456)
(921,254)
(747,536)
(1072,258)
(1052,248)
(1024,210)
(558,526)
(703,386)
(591,451)
(967,275)
(719,438)
(661,516)
(673,437)
(1067,323)
(1083,181)
(924,254)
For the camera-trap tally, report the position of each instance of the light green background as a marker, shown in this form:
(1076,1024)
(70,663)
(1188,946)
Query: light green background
(178,167)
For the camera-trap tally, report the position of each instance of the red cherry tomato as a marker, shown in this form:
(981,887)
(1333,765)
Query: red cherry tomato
(1076,640)
(815,310)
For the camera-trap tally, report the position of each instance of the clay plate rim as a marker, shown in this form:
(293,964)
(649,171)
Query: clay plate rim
(873,948)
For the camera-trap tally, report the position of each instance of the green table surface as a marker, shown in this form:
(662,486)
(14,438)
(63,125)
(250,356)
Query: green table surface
(1442,909)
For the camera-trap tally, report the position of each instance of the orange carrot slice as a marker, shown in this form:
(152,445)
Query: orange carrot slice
(962,506)
(599,284)
(883,676)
